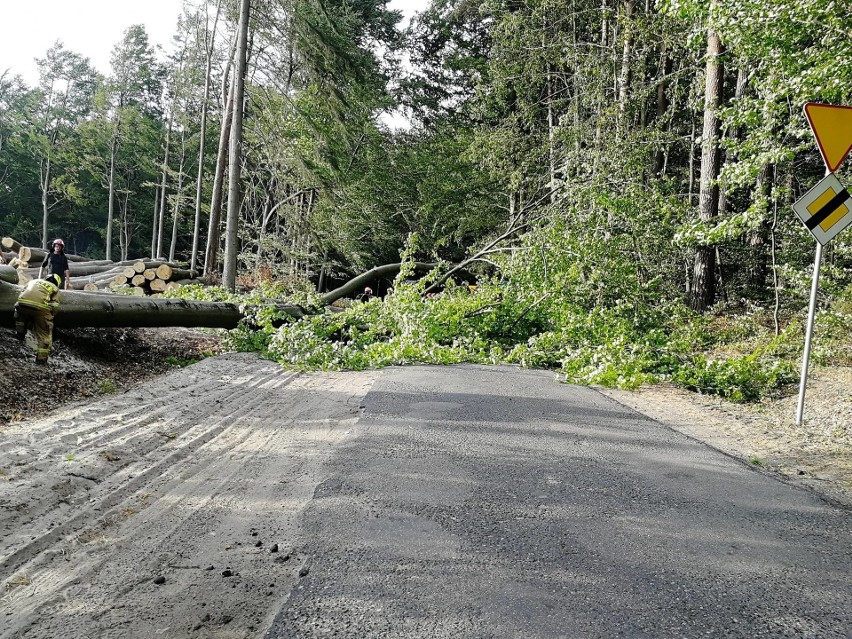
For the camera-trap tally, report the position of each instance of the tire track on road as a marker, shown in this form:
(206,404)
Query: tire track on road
(250,470)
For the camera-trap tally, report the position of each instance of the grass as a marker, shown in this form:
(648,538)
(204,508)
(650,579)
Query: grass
(184,362)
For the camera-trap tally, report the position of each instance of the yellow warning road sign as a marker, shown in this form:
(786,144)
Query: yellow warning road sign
(832,127)
(826,209)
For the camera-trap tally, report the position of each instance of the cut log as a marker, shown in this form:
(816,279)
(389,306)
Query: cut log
(164,272)
(157,285)
(128,272)
(149,273)
(139,267)
(91,286)
(138,279)
(138,291)
(119,280)
(182,274)
(38,254)
(82,269)
(25,254)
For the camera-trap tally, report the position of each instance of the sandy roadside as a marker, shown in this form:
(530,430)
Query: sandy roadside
(170,509)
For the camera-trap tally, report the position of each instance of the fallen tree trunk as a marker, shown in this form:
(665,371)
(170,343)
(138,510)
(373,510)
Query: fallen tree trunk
(80,308)
(36,254)
(365,278)
(8,274)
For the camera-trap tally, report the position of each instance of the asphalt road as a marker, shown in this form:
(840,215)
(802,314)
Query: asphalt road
(475,502)
(235,500)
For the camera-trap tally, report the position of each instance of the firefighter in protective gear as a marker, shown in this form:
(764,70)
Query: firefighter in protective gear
(34,311)
(56,263)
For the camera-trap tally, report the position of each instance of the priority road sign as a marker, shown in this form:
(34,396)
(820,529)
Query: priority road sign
(826,209)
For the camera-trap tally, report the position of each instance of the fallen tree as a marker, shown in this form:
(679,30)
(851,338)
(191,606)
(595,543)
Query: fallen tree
(79,308)
(98,310)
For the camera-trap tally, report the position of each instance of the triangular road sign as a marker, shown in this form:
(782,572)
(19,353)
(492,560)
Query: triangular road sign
(832,127)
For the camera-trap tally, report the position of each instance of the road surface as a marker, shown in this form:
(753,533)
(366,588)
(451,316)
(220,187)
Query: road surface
(235,499)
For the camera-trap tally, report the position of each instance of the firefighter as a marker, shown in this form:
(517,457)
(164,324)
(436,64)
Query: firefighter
(56,263)
(35,309)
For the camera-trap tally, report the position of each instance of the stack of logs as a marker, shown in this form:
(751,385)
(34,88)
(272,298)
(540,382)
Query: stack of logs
(135,277)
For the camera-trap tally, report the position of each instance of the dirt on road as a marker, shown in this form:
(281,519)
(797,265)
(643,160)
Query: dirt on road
(168,510)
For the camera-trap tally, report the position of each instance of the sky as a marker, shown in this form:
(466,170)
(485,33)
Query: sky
(28,28)
(89,27)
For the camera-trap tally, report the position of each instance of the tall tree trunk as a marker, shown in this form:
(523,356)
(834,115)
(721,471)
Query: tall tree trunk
(626,58)
(45,209)
(758,270)
(208,50)
(113,149)
(178,198)
(703,276)
(154,224)
(662,103)
(163,191)
(229,274)
(125,234)
(214,224)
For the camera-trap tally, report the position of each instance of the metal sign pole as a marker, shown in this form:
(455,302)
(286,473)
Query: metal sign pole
(808,335)
(832,128)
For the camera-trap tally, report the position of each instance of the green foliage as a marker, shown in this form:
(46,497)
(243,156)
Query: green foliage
(525,318)
(107,386)
(183,362)
(739,379)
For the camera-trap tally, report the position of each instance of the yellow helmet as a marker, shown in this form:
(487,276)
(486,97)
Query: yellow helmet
(56,279)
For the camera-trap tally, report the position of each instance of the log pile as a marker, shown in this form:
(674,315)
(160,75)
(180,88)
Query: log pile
(131,277)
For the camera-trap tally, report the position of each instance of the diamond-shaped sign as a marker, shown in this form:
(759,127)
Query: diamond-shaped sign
(826,209)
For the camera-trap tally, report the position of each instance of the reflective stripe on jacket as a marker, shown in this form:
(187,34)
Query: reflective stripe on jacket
(39,294)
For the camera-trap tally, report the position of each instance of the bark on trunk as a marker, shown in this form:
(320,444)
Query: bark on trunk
(229,274)
(214,224)
(703,281)
(111,195)
(78,308)
(208,50)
